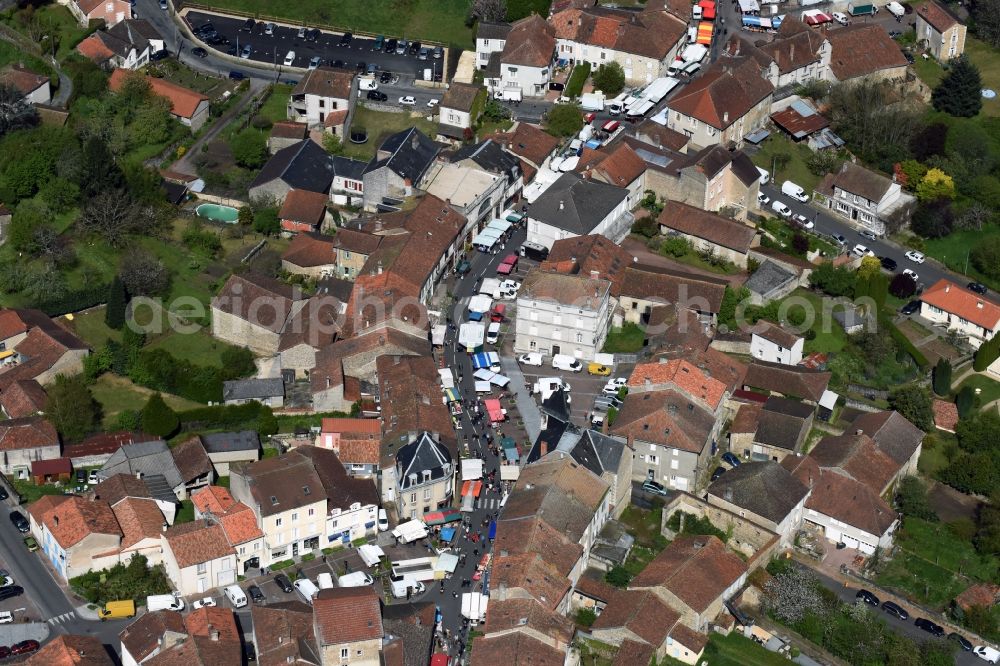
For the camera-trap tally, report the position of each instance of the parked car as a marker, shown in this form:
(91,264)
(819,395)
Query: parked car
(840,18)
(730,459)
(199,52)
(372,67)
(379,43)
(986,653)
(438,52)
(433,102)
(249,651)
(654,487)
(414,48)
(888,263)
(424,53)
(532,358)
(915,257)
(245,53)
(236,76)
(910,308)
(603,403)
(206,602)
(781,209)
(377,96)
(839,239)
(385,77)
(802,221)
(19,521)
(301,33)
(401,47)
(289,58)
(961,640)
(256,594)
(912,274)
(312,34)
(30,544)
(268,28)
(463,267)
(3,494)
(25,647)
(408,100)
(719,471)
(860,250)
(159,55)
(163,4)
(248,25)
(930,627)
(762,199)
(867,597)
(895,609)
(6,617)
(315,62)
(10,592)
(5,579)
(598,369)
(345,39)
(977,287)
(390,45)
(281,580)
(4,651)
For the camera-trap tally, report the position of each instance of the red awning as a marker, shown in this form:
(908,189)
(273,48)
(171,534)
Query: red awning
(705,33)
(707,9)
(477,487)
(494,410)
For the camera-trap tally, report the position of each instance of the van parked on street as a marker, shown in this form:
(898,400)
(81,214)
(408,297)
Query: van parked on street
(237,597)
(566,362)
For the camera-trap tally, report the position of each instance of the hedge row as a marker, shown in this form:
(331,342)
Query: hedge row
(74,301)
(253,416)
(905,344)
(574,87)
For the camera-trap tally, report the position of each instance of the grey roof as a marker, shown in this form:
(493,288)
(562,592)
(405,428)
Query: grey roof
(782,423)
(764,488)
(250,389)
(486,30)
(145,458)
(135,31)
(768,277)
(225,442)
(420,455)
(892,432)
(576,204)
(303,166)
(597,452)
(491,157)
(342,490)
(159,488)
(345,167)
(492,68)
(410,154)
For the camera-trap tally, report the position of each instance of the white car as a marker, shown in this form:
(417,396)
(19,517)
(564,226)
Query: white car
(383,520)
(614,385)
(912,274)
(840,18)
(314,62)
(781,209)
(6,617)
(207,602)
(431,103)
(510,286)
(408,100)
(269,29)
(762,199)
(532,358)
(765,176)
(802,221)
(289,58)
(92,478)
(986,653)
(915,257)
(860,250)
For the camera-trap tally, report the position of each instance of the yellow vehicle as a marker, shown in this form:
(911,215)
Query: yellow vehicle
(598,369)
(114,610)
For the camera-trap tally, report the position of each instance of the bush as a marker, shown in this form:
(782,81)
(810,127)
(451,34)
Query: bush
(646,227)
(675,246)
(964,401)
(574,87)
(564,120)
(132,581)
(902,286)
(221,417)
(157,417)
(610,79)
(942,376)
(985,256)
(904,343)
(618,576)
(586,617)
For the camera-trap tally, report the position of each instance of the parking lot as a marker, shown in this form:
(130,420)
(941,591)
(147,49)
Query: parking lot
(21,607)
(274,47)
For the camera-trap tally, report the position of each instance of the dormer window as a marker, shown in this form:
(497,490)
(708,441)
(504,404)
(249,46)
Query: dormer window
(274,501)
(305,490)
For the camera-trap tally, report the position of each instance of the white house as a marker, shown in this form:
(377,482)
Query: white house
(575,206)
(490,39)
(525,63)
(563,314)
(968,314)
(35,87)
(864,197)
(198,557)
(352,502)
(769,342)
(322,98)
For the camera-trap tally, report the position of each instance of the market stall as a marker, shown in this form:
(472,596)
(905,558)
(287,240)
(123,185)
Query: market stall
(496,413)
(705,30)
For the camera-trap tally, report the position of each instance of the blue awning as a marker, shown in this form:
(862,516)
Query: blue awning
(751,21)
(757,137)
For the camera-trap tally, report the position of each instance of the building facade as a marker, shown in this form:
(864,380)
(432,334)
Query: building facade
(563,314)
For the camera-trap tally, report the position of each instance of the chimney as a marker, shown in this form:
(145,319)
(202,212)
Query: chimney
(698,545)
(328,382)
(213,633)
(163,527)
(859,431)
(594,275)
(791,52)
(561,205)
(979,304)
(138,475)
(378,224)
(415,142)
(725,116)
(379,269)
(947,287)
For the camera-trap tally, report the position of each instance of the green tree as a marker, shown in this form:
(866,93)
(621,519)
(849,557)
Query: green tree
(332,144)
(942,376)
(910,173)
(71,408)
(114,313)
(933,219)
(985,256)
(914,402)
(988,352)
(936,184)
(965,401)
(564,120)
(834,280)
(960,91)
(618,576)
(249,148)
(157,417)
(610,79)
(911,498)
(731,298)
(237,362)
(265,221)
(869,266)
(586,617)
(245,216)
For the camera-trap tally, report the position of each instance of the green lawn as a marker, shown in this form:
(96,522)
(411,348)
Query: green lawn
(55,19)
(275,107)
(428,20)
(91,328)
(934,452)
(932,565)
(989,388)
(736,650)
(185,514)
(830,337)
(32,493)
(380,124)
(624,340)
(117,394)
(643,524)
(795,170)
(212,86)
(199,347)
(953,251)
(783,233)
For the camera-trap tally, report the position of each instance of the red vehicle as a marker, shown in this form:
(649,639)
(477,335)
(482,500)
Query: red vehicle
(505,269)
(589,117)
(611,126)
(24,647)
(498,312)
(511,259)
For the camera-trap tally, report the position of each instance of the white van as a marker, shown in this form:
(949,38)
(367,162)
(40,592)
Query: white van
(696,12)
(356,579)
(546,385)
(566,362)
(493,333)
(400,585)
(367,83)
(289,58)
(794,191)
(325,580)
(155,602)
(765,176)
(236,596)
(383,520)
(896,9)
(307,589)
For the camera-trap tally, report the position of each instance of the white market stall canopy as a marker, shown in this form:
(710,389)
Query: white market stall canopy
(472,469)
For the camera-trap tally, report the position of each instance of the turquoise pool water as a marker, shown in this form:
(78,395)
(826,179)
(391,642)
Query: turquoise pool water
(211,211)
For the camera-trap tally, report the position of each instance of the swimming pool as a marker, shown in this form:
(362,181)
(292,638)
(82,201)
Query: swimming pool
(211,211)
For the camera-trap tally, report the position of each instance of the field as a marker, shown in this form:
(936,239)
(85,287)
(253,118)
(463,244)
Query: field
(953,251)
(986,58)
(381,124)
(427,20)
(795,170)
(200,348)
(91,328)
(117,394)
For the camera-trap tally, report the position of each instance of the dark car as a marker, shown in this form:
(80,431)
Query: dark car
(256,595)
(909,57)
(81,476)
(895,609)
(232,50)
(282,581)
(377,96)
(237,76)
(719,471)
(463,267)
(248,25)
(372,67)
(414,48)
(555,85)
(3,494)
(654,487)
(199,52)
(24,647)
(10,592)
(160,55)
(4,651)
(730,459)
(215,40)
(929,626)
(888,263)
(977,287)
(249,652)
(390,45)
(867,597)
(339,64)
(204,28)
(312,34)
(385,77)
(910,308)
(19,521)
(345,39)
(361,66)
(962,641)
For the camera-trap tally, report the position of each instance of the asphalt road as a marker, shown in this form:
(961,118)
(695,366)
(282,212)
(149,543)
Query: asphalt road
(272,49)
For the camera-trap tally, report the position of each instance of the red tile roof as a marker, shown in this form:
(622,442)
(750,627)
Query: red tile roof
(183,102)
(936,15)
(695,569)
(304,206)
(73,519)
(862,49)
(707,225)
(641,612)
(27,433)
(203,621)
(978,594)
(50,467)
(531,42)
(238,520)
(94,49)
(197,542)
(213,499)
(22,78)
(354,426)
(955,300)
(528,142)
(622,166)
(945,415)
(678,373)
(71,650)
(25,397)
(724,93)
(347,615)
(11,324)
(139,519)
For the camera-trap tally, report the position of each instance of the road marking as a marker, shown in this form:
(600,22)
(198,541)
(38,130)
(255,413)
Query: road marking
(65,617)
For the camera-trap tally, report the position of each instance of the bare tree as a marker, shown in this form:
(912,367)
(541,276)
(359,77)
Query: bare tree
(874,118)
(143,274)
(792,595)
(974,217)
(494,11)
(114,216)
(15,110)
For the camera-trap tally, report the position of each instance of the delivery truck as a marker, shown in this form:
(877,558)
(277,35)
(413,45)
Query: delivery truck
(117,610)
(155,602)
(592,101)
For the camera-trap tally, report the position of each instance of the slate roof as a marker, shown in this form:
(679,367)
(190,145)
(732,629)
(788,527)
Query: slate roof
(250,389)
(342,489)
(348,168)
(787,380)
(695,569)
(764,488)
(326,82)
(712,160)
(490,156)
(138,32)
(774,333)
(768,276)
(862,49)
(576,204)
(706,225)
(146,458)
(861,181)
(892,432)
(487,30)
(423,454)
(191,459)
(227,442)
(408,154)
(303,165)
(461,96)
